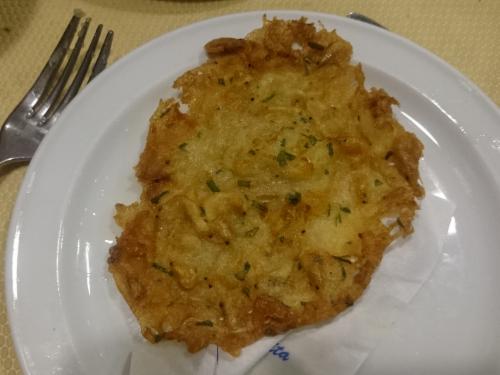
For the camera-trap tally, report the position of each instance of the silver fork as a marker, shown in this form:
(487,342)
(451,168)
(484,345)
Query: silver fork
(363,18)
(26,126)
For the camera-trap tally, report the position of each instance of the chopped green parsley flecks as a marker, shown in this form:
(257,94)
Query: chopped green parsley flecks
(283,142)
(202,211)
(160,268)
(303,119)
(244,183)
(252,232)
(241,275)
(260,206)
(344,273)
(246,291)
(282,239)
(338,216)
(294,198)
(330,149)
(157,337)
(338,219)
(347,210)
(311,140)
(307,61)
(182,146)
(284,157)
(252,152)
(206,323)
(156,199)
(213,186)
(221,82)
(377,182)
(268,98)
(329,210)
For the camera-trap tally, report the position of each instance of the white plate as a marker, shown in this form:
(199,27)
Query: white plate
(65,313)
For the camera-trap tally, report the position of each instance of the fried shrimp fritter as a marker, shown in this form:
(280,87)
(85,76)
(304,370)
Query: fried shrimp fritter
(269,203)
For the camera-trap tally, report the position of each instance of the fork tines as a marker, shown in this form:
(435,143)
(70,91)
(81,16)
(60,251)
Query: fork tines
(50,93)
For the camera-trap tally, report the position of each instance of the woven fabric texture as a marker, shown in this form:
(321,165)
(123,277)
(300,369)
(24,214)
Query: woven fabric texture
(465,33)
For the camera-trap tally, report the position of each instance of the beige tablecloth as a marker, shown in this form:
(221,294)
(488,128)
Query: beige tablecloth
(463,32)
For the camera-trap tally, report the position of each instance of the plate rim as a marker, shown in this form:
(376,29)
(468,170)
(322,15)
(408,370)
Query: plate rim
(31,173)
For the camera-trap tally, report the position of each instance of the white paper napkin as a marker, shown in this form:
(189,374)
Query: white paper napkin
(340,345)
